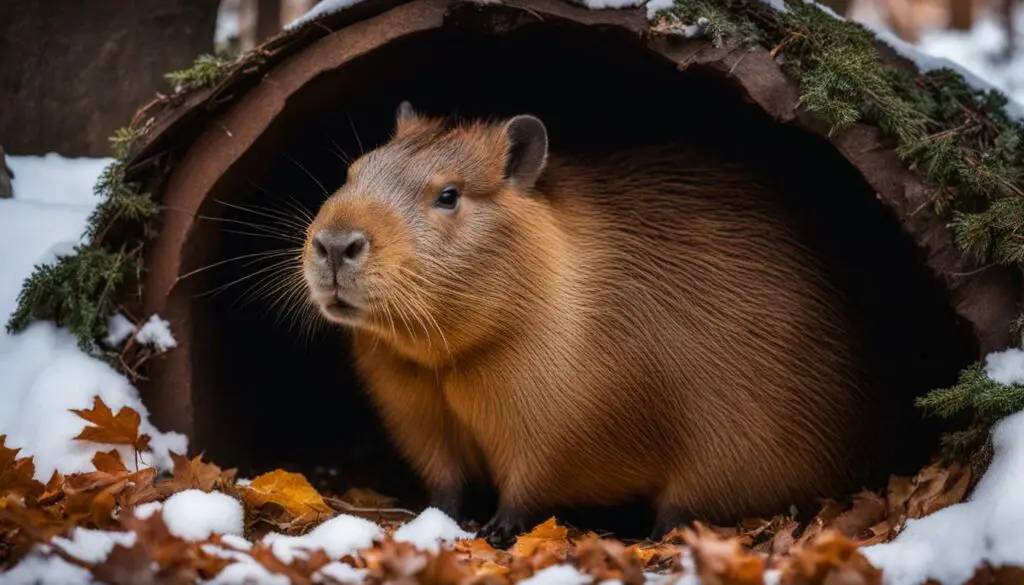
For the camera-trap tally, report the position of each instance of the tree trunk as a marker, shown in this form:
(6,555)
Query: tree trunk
(268,19)
(961,14)
(74,71)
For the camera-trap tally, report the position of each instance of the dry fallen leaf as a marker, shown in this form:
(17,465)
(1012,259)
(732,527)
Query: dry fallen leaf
(16,475)
(119,429)
(831,558)
(285,500)
(547,537)
(195,474)
(721,561)
(937,487)
(609,559)
(93,497)
(868,510)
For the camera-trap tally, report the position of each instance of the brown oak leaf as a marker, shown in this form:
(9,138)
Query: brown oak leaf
(111,429)
(285,501)
(720,561)
(609,559)
(195,474)
(937,487)
(829,558)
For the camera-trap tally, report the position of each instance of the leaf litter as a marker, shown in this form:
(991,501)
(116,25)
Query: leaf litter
(823,551)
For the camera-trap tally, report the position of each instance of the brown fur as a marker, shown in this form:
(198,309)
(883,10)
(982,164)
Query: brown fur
(645,324)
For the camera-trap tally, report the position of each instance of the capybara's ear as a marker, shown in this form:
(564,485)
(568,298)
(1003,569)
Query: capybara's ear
(527,150)
(405,116)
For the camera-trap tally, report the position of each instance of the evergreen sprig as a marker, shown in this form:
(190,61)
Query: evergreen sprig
(77,292)
(205,71)
(974,392)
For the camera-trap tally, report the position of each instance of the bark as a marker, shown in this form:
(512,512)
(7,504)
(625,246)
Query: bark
(74,71)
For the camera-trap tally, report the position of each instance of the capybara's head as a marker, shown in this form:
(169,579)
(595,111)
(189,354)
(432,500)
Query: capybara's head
(433,241)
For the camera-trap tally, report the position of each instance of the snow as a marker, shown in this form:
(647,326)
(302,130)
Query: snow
(340,572)
(1006,367)
(246,573)
(339,536)
(118,329)
(431,528)
(44,372)
(557,575)
(601,4)
(321,8)
(54,179)
(92,546)
(948,545)
(157,333)
(196,515)
(37,568)
(144,511)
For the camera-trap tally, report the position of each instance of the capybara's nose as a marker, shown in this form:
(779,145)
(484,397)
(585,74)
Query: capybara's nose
(343,249)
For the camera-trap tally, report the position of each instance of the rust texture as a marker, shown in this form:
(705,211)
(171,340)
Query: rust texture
(207,131)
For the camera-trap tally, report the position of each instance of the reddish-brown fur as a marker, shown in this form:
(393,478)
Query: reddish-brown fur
(649,323)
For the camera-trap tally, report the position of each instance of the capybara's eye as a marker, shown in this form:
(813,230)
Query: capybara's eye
(447,199)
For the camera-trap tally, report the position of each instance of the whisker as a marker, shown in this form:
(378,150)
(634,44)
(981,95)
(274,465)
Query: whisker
(265,254)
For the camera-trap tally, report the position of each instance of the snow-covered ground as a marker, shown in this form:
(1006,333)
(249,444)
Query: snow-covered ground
(43,373)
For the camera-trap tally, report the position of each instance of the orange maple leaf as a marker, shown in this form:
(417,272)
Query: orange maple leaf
(111,429)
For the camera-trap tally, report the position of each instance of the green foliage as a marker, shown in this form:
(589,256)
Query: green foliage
(119,201)
(974,392)
(714,20)
(205,71)
(77,292)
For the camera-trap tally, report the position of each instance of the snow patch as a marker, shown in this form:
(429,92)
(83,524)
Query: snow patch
(602,4)
(430,529)
(92,546)
(156,333)
(118,329)
(340,572)
(321,8)
(1006,367)
(144,511)
(950,544)
(339,536)
(55,179)
(37,568)
(44,372)
(246,573)
(195,514)
(557,575)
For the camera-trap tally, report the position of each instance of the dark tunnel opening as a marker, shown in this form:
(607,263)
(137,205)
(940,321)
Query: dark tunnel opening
(288,399)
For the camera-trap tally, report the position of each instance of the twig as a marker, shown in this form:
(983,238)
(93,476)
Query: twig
(341,505)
